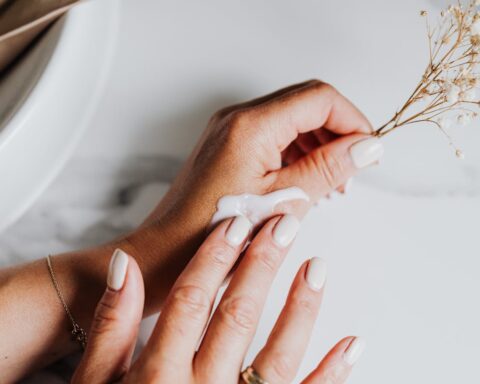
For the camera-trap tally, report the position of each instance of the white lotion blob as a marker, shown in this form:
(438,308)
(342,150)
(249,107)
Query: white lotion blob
(255,208)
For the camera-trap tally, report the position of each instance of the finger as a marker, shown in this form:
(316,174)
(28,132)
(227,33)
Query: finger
(114,329)
(235,320)
(337,365)
(329,166)
(292,154)
(307,142)
(188,306)
(325,136)
(279,360)
(314,106)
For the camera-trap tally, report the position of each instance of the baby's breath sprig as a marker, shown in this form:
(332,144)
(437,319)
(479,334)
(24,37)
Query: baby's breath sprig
(447,90)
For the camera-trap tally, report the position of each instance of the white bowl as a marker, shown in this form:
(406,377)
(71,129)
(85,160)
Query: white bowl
(47,100)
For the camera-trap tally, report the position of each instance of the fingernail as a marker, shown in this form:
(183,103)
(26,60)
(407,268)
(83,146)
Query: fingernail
(366,152)
(238,230)
(286,230)
(117,270)
(354,350)
(316,273)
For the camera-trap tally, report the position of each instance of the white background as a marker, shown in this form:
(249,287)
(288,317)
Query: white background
(402,247)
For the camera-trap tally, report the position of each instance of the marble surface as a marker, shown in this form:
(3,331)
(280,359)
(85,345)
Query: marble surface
(402,246)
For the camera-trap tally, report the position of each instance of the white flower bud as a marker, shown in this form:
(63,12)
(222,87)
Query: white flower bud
(452,94)
(470,95)
(464,119)
(444,122)
(475,28)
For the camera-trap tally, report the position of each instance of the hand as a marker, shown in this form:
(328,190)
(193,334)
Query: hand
(307,135)
(173,353)
(300,135)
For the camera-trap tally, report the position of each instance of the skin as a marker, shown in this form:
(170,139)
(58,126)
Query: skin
(300,135)
(172,353)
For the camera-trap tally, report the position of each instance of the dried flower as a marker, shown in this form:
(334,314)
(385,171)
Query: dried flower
(452,94)
(470,95)
(447,89)
(444,122)
(475,28)
(464,118)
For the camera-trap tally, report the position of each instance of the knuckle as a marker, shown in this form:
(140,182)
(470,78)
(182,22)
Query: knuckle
(304,304)
(323,87)
(239,119)
(282,368)
(240,124)
(105,318)
(191,300)
(267,258)
(336,374)
(239,313)
(221,115)
(219,255)
(329,167)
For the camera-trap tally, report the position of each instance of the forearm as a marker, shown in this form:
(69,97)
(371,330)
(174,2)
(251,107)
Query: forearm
(34,329)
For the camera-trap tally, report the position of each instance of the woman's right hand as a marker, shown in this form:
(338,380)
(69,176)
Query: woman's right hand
(188,345)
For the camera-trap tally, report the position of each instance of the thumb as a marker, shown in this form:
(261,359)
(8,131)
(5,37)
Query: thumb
(114,328)
(327,167)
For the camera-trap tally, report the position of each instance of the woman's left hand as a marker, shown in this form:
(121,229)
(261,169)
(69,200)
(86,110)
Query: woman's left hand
(173,353)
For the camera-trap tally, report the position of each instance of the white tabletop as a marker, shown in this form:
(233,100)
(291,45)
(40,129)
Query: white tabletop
(402,247)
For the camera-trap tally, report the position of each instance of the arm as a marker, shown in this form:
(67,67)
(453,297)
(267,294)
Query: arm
(307,135)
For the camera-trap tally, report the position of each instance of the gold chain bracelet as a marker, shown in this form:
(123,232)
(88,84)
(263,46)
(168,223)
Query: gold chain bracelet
(78,333)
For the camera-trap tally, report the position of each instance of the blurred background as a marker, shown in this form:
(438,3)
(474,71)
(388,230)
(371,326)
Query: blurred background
(98,116)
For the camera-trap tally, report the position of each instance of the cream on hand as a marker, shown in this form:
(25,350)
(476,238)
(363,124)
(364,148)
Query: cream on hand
(255,208)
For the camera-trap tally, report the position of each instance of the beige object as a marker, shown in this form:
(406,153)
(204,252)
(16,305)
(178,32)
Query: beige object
(23,20)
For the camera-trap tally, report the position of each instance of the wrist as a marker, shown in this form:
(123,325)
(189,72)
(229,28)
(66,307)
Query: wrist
(162,249)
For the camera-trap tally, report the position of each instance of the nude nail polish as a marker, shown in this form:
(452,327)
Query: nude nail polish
(117,270)
(316,273)
(238,231)
(354,350)
(366,152)
(285,230)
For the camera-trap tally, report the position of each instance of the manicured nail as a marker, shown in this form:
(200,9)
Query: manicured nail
(117,270)
(316,273)
(238,230)
(286,230)
(354,350)
(366,152)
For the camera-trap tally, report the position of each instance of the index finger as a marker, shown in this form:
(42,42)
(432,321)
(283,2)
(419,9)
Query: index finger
(187,308)
(313,106)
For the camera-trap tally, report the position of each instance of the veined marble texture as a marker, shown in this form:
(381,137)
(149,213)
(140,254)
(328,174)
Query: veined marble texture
(92,201)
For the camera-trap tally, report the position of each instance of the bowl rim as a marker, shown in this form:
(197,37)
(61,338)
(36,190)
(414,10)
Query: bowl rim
(26,185)
(56,29)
